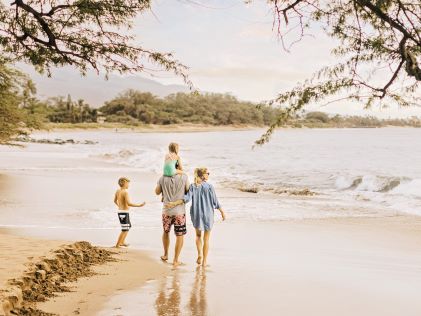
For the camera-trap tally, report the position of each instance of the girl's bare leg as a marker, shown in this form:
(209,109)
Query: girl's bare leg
(206,236)
(199,246)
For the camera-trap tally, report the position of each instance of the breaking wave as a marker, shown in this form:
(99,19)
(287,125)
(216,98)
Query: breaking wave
(269,188)
(146,159)
(379,184)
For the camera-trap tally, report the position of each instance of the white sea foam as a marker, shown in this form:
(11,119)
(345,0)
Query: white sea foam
(409,188)
(146,159)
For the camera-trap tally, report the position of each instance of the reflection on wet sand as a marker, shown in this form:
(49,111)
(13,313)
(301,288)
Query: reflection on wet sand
(198,304)
(169,298)
(168,301)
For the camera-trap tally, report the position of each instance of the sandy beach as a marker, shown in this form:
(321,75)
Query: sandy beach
(362,263)
(365,266)
(83,293)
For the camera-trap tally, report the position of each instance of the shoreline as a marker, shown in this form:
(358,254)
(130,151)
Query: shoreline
(187,128)
(50,277)
(173,128)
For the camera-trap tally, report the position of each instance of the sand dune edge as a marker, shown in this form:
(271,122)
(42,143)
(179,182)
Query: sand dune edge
(49,276)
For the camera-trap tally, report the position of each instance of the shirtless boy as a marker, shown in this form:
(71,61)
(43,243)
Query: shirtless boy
(121,199)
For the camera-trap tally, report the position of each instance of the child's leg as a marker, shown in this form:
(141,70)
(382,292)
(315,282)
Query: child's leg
(199,246)
(123,238)
(206,236)
(120,239)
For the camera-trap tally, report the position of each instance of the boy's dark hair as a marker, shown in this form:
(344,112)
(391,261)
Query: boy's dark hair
(122,181)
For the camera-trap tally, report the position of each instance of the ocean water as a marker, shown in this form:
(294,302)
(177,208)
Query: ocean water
(301,173)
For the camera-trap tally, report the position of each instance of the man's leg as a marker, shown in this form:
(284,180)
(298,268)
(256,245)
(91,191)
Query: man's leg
(166,226)
(206,236)
(178,246)
(199,246)
(166,244)
(180,230)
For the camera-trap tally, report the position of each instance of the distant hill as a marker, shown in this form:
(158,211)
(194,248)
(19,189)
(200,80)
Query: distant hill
(95,90)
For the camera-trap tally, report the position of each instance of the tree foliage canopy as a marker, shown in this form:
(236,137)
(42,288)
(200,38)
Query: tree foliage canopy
(16,97)
(80,33)
(84,34)
(379,52)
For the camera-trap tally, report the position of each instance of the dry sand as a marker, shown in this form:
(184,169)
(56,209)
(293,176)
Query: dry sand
(43,277)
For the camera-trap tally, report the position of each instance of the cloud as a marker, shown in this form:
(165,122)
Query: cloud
(248,73)
(257,32)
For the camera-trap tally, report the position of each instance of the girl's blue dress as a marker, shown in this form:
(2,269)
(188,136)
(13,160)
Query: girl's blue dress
(204,202)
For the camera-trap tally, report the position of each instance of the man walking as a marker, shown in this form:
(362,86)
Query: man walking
(173,189)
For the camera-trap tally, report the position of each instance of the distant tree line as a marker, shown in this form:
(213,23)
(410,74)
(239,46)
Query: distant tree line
(211,108)
(321,120)
(136,108)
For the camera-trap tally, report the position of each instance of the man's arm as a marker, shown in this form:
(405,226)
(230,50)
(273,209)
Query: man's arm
(173,204)
(158,189)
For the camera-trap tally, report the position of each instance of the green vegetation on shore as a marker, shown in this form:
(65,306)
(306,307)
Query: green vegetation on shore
(21,111)
(135,107)
(323,120)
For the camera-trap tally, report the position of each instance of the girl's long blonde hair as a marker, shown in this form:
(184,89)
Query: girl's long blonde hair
(173,148)
(198,174)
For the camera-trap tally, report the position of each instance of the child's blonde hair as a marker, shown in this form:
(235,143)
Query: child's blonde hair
(122,181)
(173,148)
(198,174)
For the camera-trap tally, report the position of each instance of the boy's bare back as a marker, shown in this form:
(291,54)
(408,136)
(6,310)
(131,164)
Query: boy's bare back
(121,199)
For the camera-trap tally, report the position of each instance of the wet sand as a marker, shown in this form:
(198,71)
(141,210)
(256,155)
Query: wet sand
(367,266)
(355,266)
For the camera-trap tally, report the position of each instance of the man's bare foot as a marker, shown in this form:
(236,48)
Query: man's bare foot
(125,245)
(164,258)
(199,260)
(117,246)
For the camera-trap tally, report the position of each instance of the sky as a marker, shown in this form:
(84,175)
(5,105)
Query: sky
(229,47)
